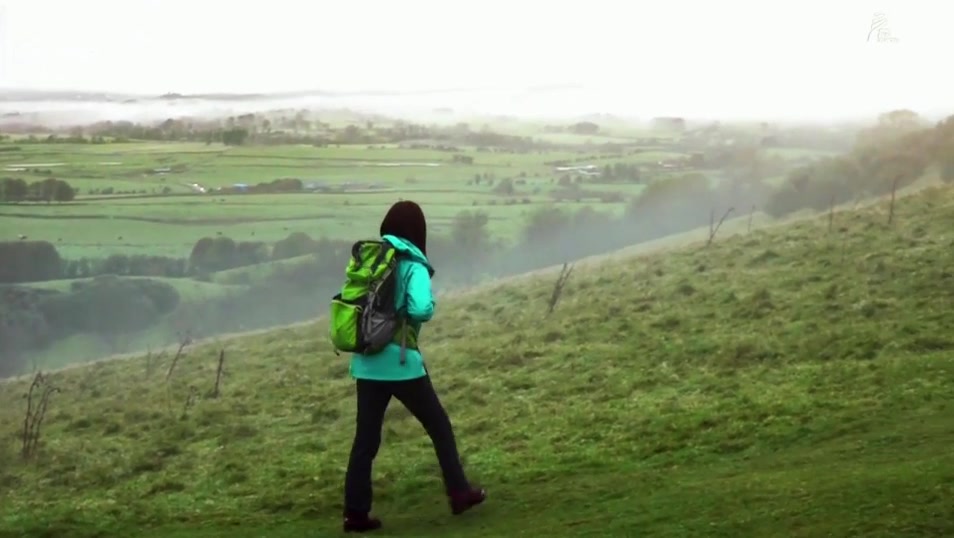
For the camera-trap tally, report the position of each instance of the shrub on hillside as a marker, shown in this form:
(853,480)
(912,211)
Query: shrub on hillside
(815,188)
(213,254)
(868,172)
(251,252)
(23,327)
(108,305)
(587,217)
(892,154)
(29,261)
(545,223)
(504,187)
(672,205)
(292,292)
(296,244)
(123,265)
(469,238)
(898,168)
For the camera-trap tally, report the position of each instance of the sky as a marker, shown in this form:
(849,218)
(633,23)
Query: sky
(728,56)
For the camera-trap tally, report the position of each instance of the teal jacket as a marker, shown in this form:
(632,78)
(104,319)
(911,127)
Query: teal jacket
(413,291)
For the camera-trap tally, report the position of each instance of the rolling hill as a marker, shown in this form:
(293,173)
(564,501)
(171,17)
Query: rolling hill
(795,381)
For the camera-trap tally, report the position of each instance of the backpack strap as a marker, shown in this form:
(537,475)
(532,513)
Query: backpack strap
(404,325)
(403,341)
(379,259)
(356,249)
(399,256)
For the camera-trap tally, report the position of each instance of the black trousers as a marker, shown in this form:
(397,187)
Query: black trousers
(419,398)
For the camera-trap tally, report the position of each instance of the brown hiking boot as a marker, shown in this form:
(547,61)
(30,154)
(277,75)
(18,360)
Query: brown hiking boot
(462,501)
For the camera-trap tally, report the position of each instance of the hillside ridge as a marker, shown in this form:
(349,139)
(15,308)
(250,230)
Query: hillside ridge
(792,381)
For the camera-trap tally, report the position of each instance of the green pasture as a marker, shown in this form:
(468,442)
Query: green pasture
(365,180)
(376,176)
(143,165)
(82,231)
(153,166)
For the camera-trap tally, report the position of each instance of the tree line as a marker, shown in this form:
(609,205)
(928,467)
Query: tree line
(899,149)
(16,190)
(38,261)
(261,130)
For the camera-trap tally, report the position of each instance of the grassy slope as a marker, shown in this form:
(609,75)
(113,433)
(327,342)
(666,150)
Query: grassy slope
(782,383)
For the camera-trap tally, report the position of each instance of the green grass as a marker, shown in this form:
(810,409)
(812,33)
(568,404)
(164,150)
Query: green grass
(94,226)
(171,226)
(97,226)
(219,166)
(787,382)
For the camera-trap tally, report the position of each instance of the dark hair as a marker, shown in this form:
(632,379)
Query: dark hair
(405,219)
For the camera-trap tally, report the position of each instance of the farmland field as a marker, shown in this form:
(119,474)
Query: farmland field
(160,211)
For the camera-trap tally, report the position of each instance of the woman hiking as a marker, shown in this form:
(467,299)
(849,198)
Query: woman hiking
(388,373)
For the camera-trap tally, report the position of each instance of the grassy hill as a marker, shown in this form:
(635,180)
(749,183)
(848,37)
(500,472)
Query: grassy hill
(787,382)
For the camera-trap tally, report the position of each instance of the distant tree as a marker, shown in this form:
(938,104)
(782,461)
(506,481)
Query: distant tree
(673,205)
(29,261)
(351,134)
(44,191)
(115,264)
(471,239)
(505,186)
(296,244)
(210,254)
(901,120)
(544,224)
(234,136)
(14,190)
(584,128)
(63,192)
(109,305)
(251,252)
(469,230)
(890,127)
(900,168)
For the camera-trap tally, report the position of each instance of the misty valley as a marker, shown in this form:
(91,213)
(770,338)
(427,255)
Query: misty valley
(748,319)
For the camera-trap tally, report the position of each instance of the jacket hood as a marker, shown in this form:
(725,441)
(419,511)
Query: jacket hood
(408,248)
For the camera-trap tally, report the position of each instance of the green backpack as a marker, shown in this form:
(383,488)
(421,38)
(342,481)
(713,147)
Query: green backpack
(363,318)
